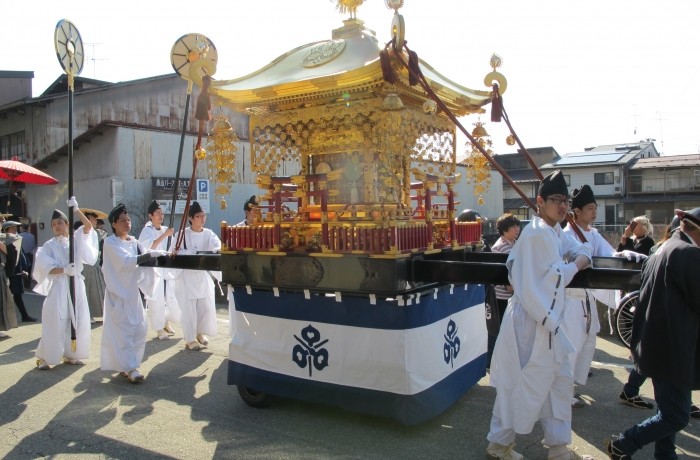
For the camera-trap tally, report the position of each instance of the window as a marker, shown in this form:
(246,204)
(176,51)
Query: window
(603,178)
(12,145)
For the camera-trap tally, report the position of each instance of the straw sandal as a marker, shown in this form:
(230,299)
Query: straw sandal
(194,346)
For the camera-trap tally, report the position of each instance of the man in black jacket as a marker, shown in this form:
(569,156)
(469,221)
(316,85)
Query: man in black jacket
(17,270)
(665,340)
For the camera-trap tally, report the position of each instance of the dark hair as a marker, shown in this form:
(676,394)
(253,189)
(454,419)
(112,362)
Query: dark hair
(505,222)
(252,201)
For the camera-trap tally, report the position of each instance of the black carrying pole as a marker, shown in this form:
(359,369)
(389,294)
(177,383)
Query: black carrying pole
(179,156)
(71,256)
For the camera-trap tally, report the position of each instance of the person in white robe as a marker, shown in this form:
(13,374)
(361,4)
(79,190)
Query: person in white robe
(94,280)
(531,367)
(581,322)
(194,289)
(53,272)
(125,325)
(161,305)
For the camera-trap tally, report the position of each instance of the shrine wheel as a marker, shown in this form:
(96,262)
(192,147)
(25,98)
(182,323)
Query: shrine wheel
(254,398)
(624,315)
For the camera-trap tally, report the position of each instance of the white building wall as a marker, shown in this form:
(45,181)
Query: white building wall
(581,176)
(493,198)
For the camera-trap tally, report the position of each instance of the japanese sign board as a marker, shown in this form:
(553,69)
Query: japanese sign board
(162,189)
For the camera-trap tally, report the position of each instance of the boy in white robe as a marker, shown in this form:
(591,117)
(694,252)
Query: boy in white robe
(125,325)
(53,272)
(162,306)
(581,322)
(531,367)
(194,289)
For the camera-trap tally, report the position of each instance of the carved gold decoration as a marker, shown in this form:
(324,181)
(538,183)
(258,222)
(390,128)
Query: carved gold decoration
(430,107)
(358,134)
(323,53)
(221,151)
(349,6)
(478,170)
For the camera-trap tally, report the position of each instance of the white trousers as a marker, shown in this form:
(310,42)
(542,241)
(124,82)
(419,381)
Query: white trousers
(198,317)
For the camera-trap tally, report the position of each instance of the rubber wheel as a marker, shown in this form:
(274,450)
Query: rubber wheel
(624,316)
(254,398)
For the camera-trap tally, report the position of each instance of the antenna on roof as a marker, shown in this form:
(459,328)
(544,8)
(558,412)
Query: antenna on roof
(635,119)
(93,58)
(661,130)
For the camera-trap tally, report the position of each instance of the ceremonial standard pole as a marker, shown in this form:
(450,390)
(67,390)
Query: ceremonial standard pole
(71,56)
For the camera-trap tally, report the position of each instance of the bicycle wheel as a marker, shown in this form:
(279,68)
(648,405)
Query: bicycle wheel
(624,316)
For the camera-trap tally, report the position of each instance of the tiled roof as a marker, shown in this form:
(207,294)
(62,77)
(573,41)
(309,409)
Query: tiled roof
(513,203)
(671,161)
(523,175)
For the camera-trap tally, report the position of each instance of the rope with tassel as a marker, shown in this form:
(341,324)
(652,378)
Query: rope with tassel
(498,111)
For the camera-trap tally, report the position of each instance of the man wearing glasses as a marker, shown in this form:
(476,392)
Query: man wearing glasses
(531,367)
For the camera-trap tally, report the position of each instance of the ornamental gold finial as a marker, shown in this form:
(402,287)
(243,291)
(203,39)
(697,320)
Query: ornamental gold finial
(349,6)
(394,4)
(494,76)
(496,61)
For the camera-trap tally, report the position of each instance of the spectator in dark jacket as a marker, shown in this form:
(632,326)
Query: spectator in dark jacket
(666,340)
(638,236)
(18,269)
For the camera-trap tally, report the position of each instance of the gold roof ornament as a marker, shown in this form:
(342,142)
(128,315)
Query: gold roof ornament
(344,122)
(349,6)
(221,152)
(478,170)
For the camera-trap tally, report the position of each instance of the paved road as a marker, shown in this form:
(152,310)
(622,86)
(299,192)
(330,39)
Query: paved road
(186,410)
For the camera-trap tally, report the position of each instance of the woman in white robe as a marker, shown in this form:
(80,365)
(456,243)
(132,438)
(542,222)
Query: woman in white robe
(53,272)
(125,326)
(194,289)
(531,367)
(161,304)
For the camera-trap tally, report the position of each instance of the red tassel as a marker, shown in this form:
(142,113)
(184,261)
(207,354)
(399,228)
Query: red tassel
(202,111)
(414,69)
(387,71)
(496,105)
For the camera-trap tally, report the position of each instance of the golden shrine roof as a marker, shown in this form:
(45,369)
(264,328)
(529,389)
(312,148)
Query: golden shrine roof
(321,72)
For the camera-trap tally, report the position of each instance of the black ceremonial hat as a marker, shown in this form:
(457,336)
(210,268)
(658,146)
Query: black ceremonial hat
(194,209)
(692,215)
(582,197)
(252,201)
(153,207)
(58,215)
(553,184)
(116,212)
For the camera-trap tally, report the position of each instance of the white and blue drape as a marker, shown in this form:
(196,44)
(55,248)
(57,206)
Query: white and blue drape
(408,358)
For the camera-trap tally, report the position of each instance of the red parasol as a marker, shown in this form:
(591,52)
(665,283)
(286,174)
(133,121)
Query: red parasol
(16,171)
